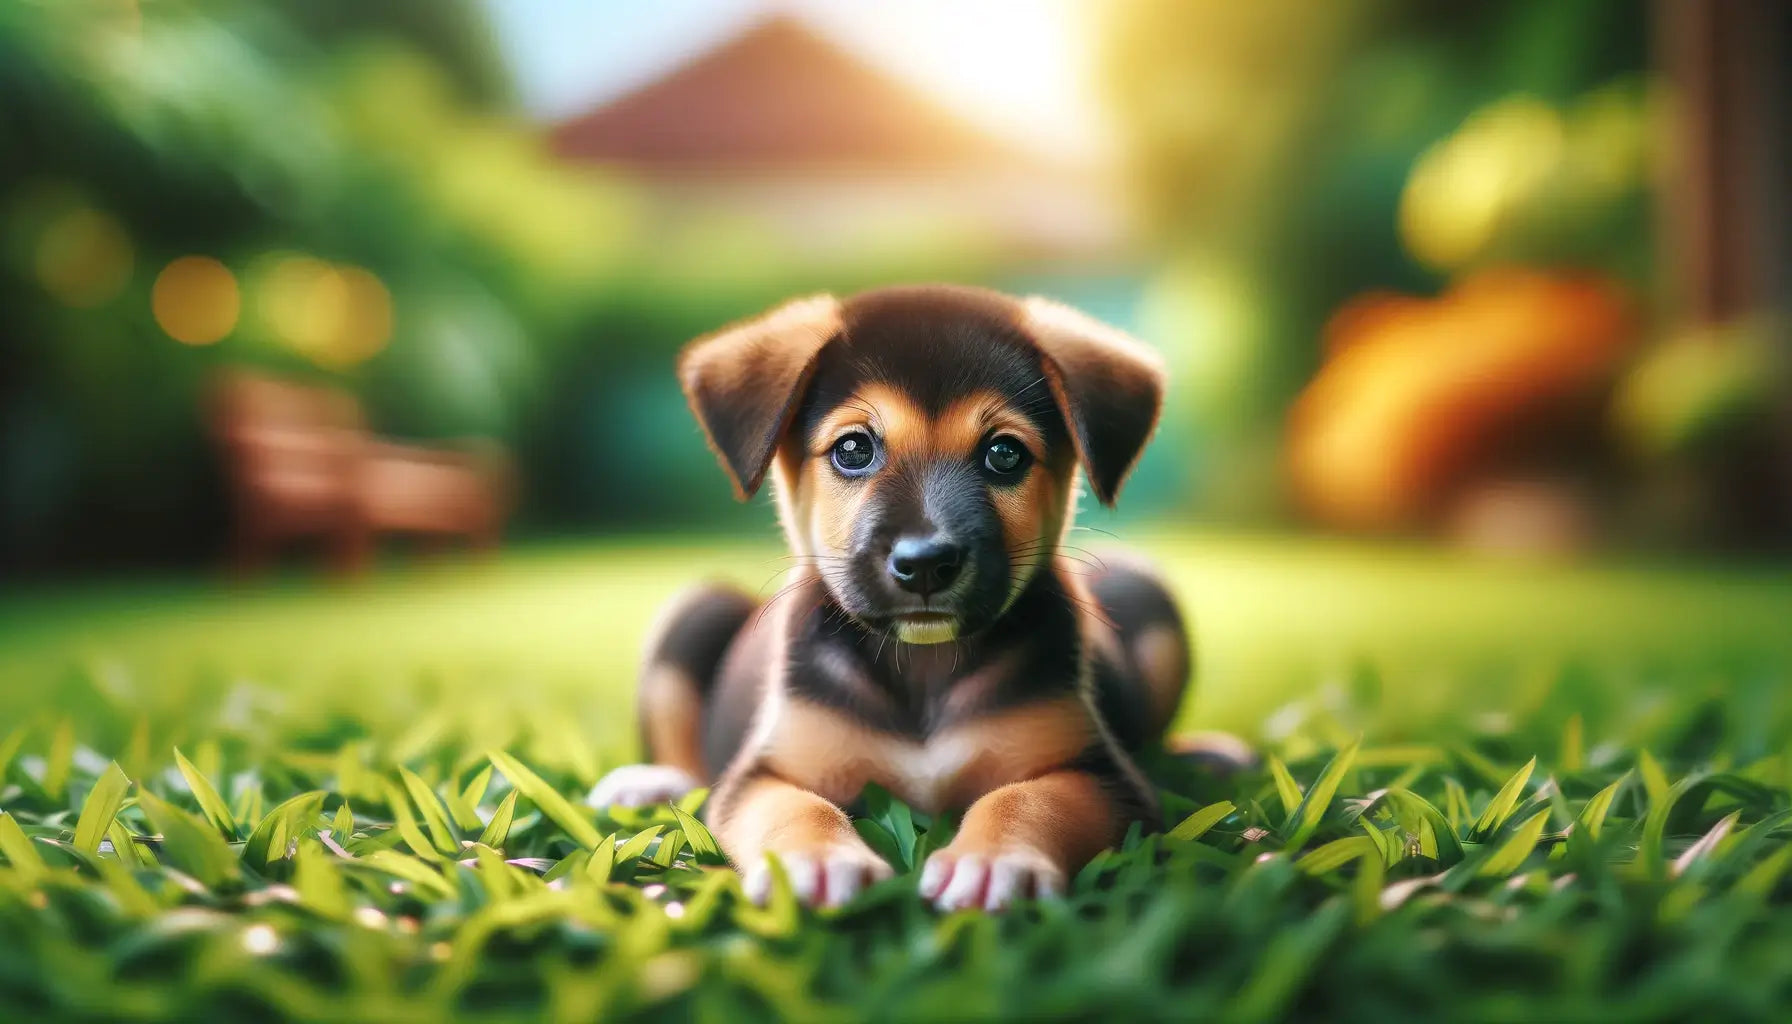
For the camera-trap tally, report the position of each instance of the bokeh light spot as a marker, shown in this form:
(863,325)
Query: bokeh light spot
(1465,188)
(195,300)
(84,258)
(260,939)
(337,316)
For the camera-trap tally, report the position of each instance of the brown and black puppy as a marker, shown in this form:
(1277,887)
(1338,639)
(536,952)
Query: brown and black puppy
(924,446)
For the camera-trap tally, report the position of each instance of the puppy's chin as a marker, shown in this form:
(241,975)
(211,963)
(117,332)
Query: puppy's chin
(930,629)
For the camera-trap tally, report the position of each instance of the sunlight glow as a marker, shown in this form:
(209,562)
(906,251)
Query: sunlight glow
(1022,68)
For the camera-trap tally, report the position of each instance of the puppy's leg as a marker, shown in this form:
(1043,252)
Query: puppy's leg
(757,813)
(676,678)
(1026,839)
(1141,675)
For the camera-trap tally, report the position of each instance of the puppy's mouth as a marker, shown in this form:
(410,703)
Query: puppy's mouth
(926,627)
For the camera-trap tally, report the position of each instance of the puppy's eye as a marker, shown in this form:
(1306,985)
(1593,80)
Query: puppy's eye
(1005,456)
(854,453)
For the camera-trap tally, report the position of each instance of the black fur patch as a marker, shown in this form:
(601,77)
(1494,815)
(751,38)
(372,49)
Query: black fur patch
(935,345)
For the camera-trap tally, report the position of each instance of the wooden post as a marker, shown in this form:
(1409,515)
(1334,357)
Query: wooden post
(1724,214)
(1724,243)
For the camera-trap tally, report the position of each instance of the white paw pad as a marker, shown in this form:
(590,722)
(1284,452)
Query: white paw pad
(640,785)
(956,882)
(829,878)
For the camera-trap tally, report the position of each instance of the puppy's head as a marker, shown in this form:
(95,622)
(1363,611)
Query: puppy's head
(924,442)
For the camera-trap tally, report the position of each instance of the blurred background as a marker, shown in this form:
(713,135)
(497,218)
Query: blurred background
(299,283)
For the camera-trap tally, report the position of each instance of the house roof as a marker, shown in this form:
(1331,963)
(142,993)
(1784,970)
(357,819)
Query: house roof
(779,96)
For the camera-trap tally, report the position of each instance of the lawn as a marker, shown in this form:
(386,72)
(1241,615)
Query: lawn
(1491,791)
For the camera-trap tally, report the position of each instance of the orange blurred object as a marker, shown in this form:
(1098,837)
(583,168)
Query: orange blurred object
(301,464)
(1419,396)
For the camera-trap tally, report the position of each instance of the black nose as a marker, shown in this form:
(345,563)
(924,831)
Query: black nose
(925,565)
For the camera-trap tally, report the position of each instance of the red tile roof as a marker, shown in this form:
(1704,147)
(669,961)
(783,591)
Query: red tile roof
(779,96)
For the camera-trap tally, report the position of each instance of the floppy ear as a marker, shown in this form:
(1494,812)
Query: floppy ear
(1109,387)
(743,382)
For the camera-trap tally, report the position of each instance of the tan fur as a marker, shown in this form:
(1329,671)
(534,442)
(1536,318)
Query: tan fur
(1063,815)
(1162,659)
(755,368)
(771,813)
(818,508)
(1082,352)
(833,755)
(671,711)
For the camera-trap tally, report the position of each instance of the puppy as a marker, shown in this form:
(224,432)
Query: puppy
(924,445)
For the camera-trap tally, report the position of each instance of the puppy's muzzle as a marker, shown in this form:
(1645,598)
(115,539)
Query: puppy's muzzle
(925,565)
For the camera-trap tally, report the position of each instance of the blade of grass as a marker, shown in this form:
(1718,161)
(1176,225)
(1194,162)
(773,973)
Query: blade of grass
(1504,803)
(1512,853)
(1573,756)
(1706,843)
(248,804)
(1655,781)
(1318,800)
(703,845)
(497,831)
(190,843)
(667,852)
(1583,839)
(1286,788)
(603,860)
(1750,840)
(636,846)
(461,813)
(1651,851)
(319,881)
(269,841)
(10,747)
(556,807)
(1197,824)
(1336,854)
(475,789)
(406,824)
(1763,878)
(342,826)
(20,853)
(1386,849)
(210,803)
(411,869)
(103,803)
(1421,818)
(1456,805)
(495,876)
(435,818)
(60,759)
(124,843)
(1365,890)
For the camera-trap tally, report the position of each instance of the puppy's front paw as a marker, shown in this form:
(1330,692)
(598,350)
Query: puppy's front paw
(639,785)
(991,879)
(828,877)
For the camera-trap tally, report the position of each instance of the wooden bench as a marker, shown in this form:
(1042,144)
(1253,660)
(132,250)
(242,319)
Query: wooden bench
(301,464)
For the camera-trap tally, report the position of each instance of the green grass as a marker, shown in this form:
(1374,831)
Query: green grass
(1492,792)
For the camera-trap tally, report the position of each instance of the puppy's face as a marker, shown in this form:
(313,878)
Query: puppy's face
(927,499)
(923,443)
